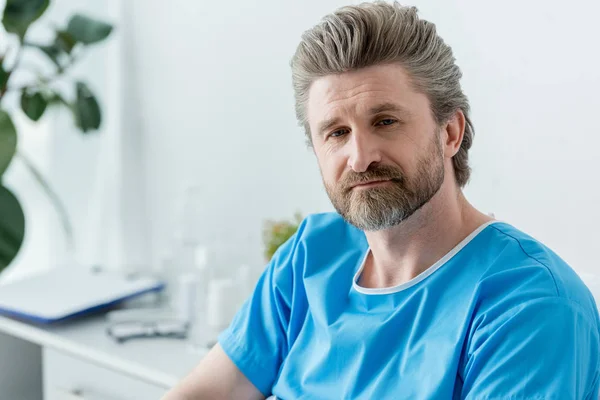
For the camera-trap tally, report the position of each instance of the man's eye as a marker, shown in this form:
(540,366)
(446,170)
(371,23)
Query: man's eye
(386,122)
(338,133)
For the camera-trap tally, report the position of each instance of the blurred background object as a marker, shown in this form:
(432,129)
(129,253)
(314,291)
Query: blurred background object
(276,233)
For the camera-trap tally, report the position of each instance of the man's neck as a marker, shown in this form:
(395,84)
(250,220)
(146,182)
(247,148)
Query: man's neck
(401,253)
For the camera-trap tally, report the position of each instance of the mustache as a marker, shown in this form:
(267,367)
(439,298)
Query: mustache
(380,172)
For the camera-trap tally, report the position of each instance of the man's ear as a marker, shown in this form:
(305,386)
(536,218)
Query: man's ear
(455,131)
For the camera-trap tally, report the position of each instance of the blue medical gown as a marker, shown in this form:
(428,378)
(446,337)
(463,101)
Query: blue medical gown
(499,317)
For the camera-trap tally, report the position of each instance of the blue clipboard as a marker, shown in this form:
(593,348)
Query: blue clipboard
(69,292)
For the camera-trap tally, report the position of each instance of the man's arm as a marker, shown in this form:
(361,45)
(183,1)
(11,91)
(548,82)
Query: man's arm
(216,377)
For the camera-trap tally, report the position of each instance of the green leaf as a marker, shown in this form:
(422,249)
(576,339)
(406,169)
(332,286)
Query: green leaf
(65,41)
(55,98)
(33,104)
(53,52)
(8,141)
(19,14)
(87,111)
(87,30)
(12,227)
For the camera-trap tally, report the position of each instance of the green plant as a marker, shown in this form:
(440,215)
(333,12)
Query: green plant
(276,233)
(65,48)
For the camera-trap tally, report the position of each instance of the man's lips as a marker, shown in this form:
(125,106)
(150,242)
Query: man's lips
(369,184)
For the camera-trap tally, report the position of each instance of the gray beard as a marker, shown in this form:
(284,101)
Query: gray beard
(383,207)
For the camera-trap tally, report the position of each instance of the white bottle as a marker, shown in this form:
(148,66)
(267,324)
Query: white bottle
(192,301)
(222,304)
(186,298)
(202,271)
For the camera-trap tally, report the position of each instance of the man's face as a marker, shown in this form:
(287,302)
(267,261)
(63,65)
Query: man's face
(377,145)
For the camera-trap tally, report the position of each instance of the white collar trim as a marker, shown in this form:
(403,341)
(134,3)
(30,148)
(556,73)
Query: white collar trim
(422,275)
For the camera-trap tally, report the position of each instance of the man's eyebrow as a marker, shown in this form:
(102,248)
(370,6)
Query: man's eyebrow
(327,124)
(383,107)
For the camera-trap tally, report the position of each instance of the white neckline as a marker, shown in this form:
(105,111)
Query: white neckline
(422,275)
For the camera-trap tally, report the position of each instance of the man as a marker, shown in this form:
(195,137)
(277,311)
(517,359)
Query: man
(407,292)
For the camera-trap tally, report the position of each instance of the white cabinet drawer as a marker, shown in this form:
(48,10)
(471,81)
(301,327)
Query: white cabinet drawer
(70,378)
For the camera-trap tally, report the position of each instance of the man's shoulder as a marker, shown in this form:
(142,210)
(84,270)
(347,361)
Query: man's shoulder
(327,226)
(326,236)
(317,222)
(524,267)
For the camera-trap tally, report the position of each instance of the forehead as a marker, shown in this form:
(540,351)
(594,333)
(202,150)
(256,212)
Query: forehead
(360,90)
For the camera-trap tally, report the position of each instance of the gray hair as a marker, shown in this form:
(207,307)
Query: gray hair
(368,34)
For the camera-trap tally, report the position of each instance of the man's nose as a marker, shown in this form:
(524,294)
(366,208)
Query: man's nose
(363,151)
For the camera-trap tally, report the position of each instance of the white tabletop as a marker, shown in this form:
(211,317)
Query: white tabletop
(161,361)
